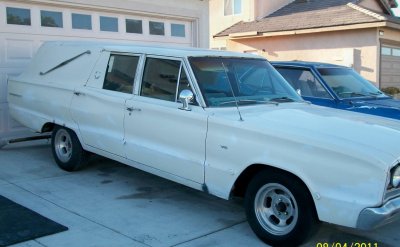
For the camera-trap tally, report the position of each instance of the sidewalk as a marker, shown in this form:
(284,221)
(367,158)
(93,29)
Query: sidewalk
(110,204)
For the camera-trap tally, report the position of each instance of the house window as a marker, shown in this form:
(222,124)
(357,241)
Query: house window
(121,73)
(133,26)
(386,51)
(178,30)
(81,21)
(396,52)
(51,19)
(18,16)
(232,7)
(109,24)
(156,28)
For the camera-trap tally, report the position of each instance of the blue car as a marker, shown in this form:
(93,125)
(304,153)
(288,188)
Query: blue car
(337,87)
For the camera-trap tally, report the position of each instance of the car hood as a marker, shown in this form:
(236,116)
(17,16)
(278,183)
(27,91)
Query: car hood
(378,103)
(334,129)
(386,107)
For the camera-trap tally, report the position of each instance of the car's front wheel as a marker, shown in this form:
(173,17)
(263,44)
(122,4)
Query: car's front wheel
(67,150)
(279,209)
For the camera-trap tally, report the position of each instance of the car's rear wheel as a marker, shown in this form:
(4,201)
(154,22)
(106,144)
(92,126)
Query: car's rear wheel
(279,209)
(67,150)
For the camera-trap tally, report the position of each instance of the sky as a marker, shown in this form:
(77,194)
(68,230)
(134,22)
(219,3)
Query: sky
(396,11)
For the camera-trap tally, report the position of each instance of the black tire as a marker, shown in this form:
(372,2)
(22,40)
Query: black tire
(273,198)
(67,150)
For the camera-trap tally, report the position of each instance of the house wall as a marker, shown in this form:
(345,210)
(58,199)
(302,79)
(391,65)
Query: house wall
(251,10)
(354,48)
(390,62)
(372,5)
(390,35)
(220,22)
(264,8)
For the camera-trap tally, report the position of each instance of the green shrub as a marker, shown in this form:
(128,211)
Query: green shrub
(391,90)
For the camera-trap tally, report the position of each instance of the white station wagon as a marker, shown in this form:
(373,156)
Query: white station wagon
(222,122)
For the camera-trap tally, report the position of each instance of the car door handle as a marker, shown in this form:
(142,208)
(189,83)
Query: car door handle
(131,109)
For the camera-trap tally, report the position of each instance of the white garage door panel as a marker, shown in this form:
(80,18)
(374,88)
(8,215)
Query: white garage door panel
(18,50)
(18,43)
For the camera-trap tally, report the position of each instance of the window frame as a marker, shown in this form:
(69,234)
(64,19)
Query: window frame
(19,8)
(178,24)
(388,49)
(105,17)
(164,29)
(392,50)
(198,97)
(396,52)
(54,11)
(131,19)
(137,73)
(232,11)
(82,29)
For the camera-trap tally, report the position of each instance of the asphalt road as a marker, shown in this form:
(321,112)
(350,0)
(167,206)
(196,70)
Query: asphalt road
(110,204)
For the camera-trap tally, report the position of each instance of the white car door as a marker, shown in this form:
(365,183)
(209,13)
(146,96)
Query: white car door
(99,107)
(157,132)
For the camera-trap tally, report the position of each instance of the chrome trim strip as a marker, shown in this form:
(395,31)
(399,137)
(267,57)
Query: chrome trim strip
(392,193)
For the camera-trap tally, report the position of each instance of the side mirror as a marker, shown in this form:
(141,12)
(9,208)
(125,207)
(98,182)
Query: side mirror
(186,97)
(298,91)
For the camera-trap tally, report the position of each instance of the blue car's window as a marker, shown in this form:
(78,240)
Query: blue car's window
(304,82)
(346,83)
(227,81)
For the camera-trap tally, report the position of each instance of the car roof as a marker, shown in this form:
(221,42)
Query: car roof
(162,50)
(307,64)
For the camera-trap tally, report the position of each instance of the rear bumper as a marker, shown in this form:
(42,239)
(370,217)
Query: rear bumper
(371,218)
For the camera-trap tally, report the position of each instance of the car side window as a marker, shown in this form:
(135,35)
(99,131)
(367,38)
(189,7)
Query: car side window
(304,81)
(160,79)
(120,75)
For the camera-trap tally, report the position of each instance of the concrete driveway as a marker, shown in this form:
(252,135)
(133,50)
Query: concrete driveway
(110,204)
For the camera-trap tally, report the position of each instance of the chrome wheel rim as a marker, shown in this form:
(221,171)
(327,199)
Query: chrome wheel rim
(276,209)
(63,145)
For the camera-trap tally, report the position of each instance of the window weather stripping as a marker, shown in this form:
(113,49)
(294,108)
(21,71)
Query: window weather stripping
(64,63)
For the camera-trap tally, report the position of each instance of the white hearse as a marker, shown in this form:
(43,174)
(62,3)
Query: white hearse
(222,122)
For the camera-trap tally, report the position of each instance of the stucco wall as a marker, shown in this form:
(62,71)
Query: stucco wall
(264,8)
(390,36)
(251,10)
(372,5)
(355,48)
(219,22)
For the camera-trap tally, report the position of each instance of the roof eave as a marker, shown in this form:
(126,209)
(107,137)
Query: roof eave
(255,34)
(393,25)
(243,34)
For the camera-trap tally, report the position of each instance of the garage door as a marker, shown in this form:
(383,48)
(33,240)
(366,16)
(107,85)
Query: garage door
(390,66)
(24,27)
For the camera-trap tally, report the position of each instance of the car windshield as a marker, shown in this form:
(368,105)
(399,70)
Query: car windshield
(347,83)
(243,81)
